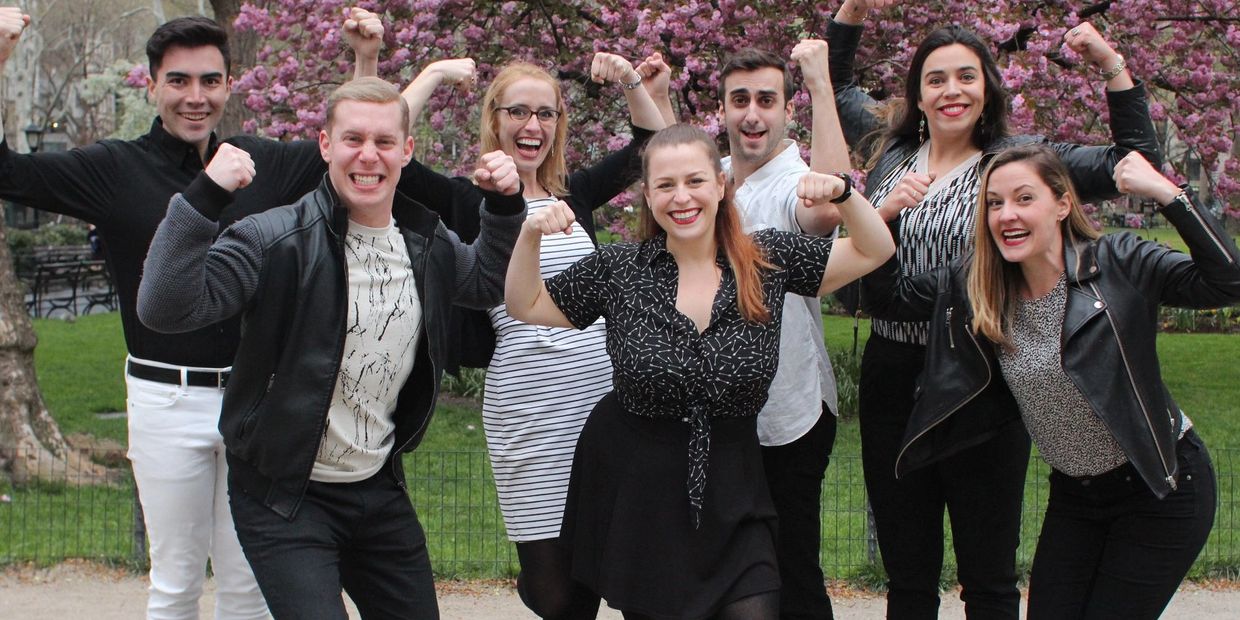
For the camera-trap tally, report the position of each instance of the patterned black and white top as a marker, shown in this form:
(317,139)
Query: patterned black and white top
(663,367)
(933,233)
(1070,435)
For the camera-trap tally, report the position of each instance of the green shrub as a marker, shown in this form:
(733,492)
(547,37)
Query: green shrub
(22,240)
(470,384)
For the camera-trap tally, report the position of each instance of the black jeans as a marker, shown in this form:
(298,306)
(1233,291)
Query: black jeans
(794,474)
(981,488)
(363,537)
(1110,548)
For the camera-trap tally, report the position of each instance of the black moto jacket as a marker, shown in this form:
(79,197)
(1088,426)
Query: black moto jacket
(1115,286)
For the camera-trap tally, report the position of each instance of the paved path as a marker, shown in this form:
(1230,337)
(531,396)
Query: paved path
(83,590)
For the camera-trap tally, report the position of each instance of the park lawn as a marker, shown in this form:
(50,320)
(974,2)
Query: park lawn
(1161,234)
(449,476)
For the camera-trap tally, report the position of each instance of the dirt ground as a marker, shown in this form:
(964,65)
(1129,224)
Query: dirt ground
(84,590)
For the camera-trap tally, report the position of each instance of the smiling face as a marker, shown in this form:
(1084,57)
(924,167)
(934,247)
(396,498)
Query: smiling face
(528,141)
(755,114)
(683,191)
(1023,215)
(189,91)
(365,146)
(953,92)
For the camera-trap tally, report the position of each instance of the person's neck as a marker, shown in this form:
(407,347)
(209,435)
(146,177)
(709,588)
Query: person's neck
(743,168)
(1040,275)
(693,253)
(371,218)
(947,153)
(532,188)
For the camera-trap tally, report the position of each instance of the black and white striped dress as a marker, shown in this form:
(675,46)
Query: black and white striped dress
(540,387)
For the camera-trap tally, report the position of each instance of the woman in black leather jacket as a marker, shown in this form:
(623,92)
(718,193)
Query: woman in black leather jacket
(1063,321)
(924,178)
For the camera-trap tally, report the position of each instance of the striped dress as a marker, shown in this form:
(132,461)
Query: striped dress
(540,387)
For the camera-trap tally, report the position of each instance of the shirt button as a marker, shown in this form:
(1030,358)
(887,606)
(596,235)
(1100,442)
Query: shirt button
(1093,269)
(1098,305)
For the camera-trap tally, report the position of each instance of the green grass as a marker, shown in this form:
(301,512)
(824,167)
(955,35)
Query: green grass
(1161,234)
(79,366)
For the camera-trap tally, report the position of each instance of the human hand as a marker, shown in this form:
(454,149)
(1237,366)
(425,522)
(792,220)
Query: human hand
(12,22)
(612,68)
(460,73)
(655,74)
(554,218)
(909,192)
(498,173)
(812,55)
(1134,175)
(816,188)
(1085,40)
(231,168)
(363,32)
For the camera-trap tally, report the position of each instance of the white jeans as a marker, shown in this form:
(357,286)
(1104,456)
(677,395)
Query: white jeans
(178,464)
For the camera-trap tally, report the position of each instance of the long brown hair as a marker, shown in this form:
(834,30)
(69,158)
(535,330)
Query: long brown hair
(992,281)
(553,172)
(744,256)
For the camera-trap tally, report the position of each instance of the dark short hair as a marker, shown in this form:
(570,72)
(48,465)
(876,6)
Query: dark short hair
(752,59)
(993,123)
(186,32)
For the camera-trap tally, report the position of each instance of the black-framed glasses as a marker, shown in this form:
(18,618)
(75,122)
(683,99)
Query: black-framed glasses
(521,113)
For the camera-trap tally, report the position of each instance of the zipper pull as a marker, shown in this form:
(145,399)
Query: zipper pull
(951,339)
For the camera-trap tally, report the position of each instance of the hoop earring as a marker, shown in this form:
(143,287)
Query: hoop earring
(921,129)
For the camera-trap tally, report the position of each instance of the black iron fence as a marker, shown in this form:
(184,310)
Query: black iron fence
(454,495)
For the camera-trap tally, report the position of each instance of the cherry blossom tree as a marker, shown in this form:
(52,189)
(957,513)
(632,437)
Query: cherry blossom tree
(1185,52)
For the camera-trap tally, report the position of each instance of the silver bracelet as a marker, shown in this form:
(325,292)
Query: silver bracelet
(1116,70)
(631,86)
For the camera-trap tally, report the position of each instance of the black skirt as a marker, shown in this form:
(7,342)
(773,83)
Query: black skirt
(627,515)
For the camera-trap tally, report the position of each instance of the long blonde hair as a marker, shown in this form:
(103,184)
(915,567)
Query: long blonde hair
(744,256)
(993,281)
(553,172)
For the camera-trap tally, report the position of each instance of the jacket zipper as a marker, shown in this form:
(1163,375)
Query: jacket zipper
(951,338)
(1149,423)
(962,403)
(1218,243)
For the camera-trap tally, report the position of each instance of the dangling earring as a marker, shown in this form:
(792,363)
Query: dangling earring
(921,129)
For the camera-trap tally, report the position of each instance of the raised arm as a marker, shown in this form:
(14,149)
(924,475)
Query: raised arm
(363,32)
(657,80)
(188,281)
(642,109)
(853,104)
(868,243)
(458,72)
(1211,277)
(828,151)
(525,292)
(481,265)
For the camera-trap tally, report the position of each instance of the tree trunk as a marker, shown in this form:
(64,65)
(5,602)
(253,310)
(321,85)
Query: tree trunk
(31,445)
(244,49)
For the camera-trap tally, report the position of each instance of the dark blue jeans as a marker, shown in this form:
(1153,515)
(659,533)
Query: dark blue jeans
(981,488)
(794,474)
(1110,548)
(363,537)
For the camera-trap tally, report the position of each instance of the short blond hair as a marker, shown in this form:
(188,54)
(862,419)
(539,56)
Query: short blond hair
(369,90)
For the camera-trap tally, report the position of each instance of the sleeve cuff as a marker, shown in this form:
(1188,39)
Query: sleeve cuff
(499,204)
(206,197)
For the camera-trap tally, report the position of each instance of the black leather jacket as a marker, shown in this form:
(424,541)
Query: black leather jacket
(1090,166)
(286,272)
(1115,286)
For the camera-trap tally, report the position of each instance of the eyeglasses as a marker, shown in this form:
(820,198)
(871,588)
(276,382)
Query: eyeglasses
(522,113)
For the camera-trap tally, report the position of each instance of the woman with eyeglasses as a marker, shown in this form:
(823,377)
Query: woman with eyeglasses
(532,431)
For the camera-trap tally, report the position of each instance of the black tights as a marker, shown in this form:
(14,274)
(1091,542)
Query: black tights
(546,585)
(763,606)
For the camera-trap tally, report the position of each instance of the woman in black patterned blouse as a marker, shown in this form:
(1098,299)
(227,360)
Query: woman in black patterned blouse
(668,513)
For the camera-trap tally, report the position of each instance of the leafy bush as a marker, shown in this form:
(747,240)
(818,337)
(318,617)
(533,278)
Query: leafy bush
(22,240)
(470,384)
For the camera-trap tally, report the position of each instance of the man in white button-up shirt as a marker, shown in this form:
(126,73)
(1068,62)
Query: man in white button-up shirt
(797,425)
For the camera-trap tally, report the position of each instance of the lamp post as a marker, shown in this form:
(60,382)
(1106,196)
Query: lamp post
(34,137)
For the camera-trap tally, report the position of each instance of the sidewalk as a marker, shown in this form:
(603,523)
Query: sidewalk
(80,590)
